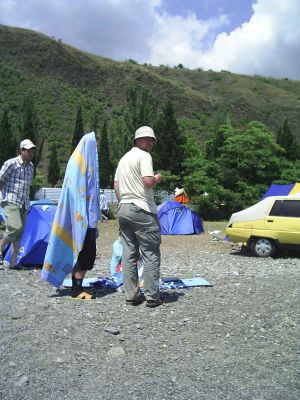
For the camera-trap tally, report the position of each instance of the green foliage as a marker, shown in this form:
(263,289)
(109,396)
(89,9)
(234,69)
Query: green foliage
(78,77)
(168,154)
(213,146)
(6,137)
(131,61)
(211,205)
(117,137)
(30,128)
(104,158)
(290,172)
(225,155)
(169,181)
(37,183)
(78,131)
(140,109)
(96,113)
(237,167)
(54,169)
(158,197)
(287,140)
(252,154)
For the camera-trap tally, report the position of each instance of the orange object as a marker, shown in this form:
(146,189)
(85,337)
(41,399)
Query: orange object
(182,198)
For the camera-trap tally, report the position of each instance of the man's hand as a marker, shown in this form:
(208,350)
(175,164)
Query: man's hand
(157,178)
(152,181)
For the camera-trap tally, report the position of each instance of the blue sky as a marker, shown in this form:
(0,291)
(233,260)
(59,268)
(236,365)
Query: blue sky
(242,36)
(238,11)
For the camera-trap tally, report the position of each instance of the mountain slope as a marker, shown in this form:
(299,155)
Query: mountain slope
(61,77)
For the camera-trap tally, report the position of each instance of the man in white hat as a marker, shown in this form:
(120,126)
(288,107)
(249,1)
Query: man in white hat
(16,176)
(140,230)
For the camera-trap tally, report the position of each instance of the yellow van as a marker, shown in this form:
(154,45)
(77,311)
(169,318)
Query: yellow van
(271,224)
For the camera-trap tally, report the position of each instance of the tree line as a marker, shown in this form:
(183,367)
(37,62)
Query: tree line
(227,172)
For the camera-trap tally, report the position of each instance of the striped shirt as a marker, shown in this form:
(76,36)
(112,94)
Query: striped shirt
(16,177)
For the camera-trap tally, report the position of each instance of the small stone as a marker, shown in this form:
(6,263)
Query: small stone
(16,293)
(24,380)
(12,364)
(112,330)
(59,360)
(116,351)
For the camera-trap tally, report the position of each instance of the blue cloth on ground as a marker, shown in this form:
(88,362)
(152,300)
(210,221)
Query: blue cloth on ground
(182,283)
(78,209)
(167,283)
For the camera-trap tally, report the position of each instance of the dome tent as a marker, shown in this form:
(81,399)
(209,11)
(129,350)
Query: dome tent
(291,189)
(177,219)
(36,234)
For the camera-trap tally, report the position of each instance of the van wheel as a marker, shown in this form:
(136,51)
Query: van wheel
(263,247)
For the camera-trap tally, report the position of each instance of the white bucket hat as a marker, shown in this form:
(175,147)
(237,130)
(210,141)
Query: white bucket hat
(144,131)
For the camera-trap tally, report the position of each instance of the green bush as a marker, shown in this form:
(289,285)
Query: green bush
(38,182)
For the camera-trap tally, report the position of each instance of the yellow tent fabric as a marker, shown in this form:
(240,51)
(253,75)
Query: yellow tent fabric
(295,190)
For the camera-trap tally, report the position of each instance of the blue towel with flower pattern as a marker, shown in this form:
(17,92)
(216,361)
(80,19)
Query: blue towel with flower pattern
(77,210)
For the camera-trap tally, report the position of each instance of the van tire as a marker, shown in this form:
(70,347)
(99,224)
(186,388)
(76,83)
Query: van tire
(263,247)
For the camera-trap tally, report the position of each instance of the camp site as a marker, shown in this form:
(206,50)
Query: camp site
(217,85)
(221,310)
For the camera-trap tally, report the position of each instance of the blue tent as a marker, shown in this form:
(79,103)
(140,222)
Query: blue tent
(36,234)
(177,219)
(281,190)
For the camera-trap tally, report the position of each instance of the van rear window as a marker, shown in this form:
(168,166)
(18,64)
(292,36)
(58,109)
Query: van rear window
(286,208)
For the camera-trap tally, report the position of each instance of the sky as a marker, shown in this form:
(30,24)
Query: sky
(253,37)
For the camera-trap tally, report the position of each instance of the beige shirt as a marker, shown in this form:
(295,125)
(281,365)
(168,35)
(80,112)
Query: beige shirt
(133,166)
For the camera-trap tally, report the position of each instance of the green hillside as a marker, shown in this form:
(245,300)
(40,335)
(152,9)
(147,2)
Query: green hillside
(60,78)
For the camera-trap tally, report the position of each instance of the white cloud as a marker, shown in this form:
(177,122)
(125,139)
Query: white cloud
(268,44)
(118,29)
(182,39)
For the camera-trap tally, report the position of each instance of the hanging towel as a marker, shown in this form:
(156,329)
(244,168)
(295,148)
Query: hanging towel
(77,210)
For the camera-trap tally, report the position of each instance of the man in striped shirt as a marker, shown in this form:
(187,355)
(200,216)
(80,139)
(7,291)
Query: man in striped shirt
(16,176)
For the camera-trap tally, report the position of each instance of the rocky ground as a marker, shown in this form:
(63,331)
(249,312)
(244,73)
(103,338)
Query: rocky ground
(235,340)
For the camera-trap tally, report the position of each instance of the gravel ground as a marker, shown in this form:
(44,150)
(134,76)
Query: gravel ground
(235,340)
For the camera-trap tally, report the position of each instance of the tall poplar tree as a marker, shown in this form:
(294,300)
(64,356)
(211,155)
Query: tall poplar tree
(168,153)
(141,109)
(54,169)
(104,159)
(29,128)
(78,131)
(287,141)
(9,149)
